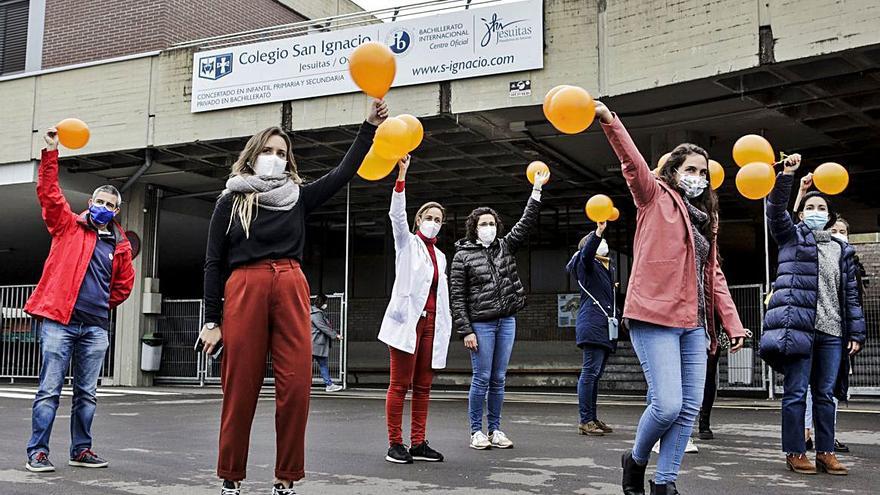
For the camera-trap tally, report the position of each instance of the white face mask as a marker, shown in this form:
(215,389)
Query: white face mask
(841,237)
(603,249)
(486,234)
(693,185)
(429,228)
(270,165)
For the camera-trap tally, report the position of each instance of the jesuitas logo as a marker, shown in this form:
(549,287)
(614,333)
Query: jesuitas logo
(215,66)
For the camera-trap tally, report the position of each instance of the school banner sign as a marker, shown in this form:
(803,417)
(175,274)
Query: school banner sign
(467,43)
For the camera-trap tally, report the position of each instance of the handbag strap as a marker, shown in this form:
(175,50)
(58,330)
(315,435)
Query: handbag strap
(597,302)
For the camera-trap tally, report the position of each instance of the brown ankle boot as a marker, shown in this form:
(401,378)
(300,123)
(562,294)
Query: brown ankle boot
(800,464)
(827,462)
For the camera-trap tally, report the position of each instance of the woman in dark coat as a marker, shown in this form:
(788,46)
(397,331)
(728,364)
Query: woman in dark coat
(813,321)
(595,275)
(485,294)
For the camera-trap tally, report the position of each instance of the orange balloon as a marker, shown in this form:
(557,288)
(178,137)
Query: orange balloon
(752,148)
(571,110)
(392,139)
(755,180)
(599,208)
(416,131)
(374,167)
(716,174)
(831,178)
(73,133)
(615,214)
(372,67)
(549,96)
(534,168)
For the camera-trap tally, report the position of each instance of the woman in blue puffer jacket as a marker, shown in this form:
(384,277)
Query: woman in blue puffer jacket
(813,320)
(595,275)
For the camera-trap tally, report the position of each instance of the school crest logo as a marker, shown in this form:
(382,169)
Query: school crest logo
(214,67)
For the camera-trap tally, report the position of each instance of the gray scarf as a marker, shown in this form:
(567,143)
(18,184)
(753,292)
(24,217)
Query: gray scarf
(277,192)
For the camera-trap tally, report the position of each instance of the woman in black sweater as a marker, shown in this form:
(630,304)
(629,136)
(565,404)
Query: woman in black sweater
(257,234)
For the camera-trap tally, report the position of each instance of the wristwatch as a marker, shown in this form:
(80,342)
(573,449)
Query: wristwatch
(211,325)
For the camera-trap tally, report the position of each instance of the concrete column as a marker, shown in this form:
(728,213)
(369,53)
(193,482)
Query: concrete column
(131,323)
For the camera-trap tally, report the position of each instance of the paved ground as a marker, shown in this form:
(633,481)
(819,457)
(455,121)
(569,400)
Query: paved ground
(163,441)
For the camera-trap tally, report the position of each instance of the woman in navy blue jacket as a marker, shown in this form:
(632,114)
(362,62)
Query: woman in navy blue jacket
(813,321)
(592,268)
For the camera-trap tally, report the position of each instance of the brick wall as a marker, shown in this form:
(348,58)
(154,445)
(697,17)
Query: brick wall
(78,32)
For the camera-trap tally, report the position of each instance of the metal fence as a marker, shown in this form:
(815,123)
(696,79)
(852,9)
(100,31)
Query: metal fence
(865,377)
(20,356)
(179,327)
(744,370)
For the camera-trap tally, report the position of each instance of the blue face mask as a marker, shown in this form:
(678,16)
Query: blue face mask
(100,214)
(816,220)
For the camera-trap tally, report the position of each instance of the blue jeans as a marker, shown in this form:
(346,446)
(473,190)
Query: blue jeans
(489,363)
(58,344)
(675,392)
(808,415)
(819,372)
(595,358)
(324,368)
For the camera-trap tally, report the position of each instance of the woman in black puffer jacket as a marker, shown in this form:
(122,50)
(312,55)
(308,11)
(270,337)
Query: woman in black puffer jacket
(485,293)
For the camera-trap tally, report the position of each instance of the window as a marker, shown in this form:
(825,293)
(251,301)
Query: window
(13,35)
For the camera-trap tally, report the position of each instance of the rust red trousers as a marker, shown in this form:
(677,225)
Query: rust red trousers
(266,309)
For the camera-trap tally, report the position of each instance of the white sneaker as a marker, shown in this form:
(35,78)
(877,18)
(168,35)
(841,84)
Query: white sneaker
(691,447)
(480,441)
(656,448)
(499,440)
(333,388)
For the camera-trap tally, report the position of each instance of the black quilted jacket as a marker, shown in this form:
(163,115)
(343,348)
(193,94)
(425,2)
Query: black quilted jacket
(484,283)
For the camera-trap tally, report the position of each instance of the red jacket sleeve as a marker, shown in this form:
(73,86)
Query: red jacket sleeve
(725,308)
(122,280)
(641,181)
(56,210)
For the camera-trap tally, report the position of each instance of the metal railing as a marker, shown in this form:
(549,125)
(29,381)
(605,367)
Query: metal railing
(20,356)
(744,370)
(179,327)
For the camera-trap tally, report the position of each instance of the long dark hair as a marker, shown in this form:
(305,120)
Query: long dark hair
(706,202)
(470,225)
(832,215)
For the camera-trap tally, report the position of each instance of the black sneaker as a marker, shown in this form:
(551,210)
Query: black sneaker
(840,447)
(280,489)
(398,454)
(423,452)
(809,444)
(88,459)
(229,488)
(39,463)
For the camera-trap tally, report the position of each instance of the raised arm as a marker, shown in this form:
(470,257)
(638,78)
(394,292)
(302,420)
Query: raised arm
(806,183)
(316,193)
(56,210)
(399,224)
(779,221)
(641,181)
(519,234)
(458,290)
(215,259)
(588,252)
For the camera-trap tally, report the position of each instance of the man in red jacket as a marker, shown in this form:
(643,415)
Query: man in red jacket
(88,273)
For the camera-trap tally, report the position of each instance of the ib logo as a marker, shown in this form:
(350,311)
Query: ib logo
(399,41)
(215,66)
